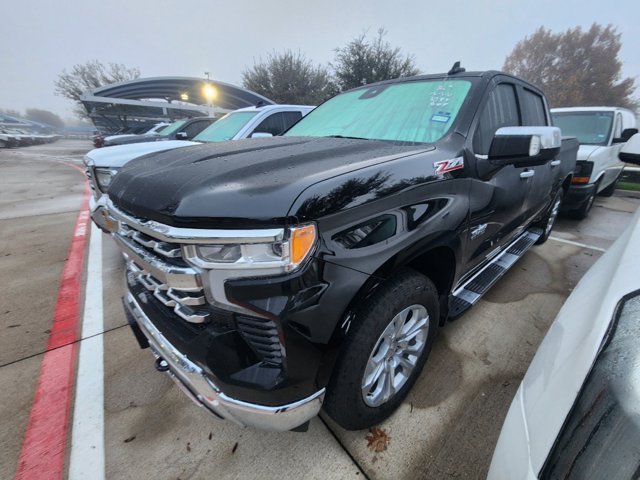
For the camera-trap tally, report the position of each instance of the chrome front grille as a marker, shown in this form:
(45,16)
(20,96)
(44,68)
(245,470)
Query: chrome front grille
(166,249)
(186,304)
(158,266)
(155,262)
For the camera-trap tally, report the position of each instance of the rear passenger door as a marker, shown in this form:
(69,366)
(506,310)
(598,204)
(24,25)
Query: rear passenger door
(498,196)
(534,113)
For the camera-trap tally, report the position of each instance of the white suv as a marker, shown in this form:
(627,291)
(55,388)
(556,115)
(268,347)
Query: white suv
(601,132)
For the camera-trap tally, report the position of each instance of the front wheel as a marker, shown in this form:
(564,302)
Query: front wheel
(383,354)
(582,212)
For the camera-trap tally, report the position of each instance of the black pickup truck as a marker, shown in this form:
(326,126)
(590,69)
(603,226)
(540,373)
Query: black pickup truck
(273,277)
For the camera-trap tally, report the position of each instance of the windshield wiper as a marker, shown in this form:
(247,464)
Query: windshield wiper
(351,138)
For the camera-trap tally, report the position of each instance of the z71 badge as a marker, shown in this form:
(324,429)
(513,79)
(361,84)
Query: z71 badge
(445,166)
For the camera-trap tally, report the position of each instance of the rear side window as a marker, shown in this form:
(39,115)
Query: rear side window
(195,128)
(533,111)
(291,118)
(277,123)
(501,110)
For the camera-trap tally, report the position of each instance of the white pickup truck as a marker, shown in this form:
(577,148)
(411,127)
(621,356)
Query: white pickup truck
(102,164)
(601,132)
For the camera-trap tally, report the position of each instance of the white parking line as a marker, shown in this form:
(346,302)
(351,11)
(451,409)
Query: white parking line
(87,436)
(577,244)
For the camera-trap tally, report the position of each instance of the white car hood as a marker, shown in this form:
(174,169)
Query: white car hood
(124,135)
(585,151)
(564,359)
(119,155)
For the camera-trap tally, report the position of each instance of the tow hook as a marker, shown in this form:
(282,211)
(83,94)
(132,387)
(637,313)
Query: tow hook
(161,364)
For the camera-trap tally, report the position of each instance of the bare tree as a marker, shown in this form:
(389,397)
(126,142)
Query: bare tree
(88,76)
(289,77)
(44,116)
(10,112)
(362,61)
(574,67)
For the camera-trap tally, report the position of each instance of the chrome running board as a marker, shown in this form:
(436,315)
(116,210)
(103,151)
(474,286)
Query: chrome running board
(465,296)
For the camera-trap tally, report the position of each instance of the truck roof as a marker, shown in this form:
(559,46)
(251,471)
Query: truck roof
(274,107)
(487,74)
(590,109)
(628,116)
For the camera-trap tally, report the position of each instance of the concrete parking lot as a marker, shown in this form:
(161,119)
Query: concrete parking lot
(142,426)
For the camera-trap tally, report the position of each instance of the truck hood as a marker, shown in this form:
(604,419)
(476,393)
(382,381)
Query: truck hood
(585,151)
(253,181)
(118,155)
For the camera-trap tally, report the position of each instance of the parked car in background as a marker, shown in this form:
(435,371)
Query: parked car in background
(103,164)
(22,138)
(262,121)
(184,129)
(7,139)
(137,132)
(99,139)
(576,414)
(601,132)
(13,137)
(273,277)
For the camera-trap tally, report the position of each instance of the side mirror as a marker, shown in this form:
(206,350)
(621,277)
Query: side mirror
(630,151)
(261,135)
(182,136)
(627,133)
(525,146)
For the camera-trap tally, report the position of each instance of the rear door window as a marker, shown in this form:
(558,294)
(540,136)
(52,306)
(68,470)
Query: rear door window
(533,110)
(277,123)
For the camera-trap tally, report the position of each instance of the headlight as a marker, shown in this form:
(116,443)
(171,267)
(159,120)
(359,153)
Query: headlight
(280,254)
(104,177)
(582,173)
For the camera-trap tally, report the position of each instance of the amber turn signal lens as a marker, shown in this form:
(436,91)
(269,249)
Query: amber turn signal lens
(580,180)
(302,240)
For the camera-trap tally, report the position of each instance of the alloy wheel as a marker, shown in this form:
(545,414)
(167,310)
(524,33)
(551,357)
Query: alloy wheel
(395,355)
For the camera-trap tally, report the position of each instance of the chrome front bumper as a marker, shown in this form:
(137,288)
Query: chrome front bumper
(205,393)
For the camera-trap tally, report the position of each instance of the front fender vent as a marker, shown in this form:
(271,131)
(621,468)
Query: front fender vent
(262,335)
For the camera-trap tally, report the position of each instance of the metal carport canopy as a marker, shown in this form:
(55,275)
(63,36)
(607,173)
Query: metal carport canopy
(228,97)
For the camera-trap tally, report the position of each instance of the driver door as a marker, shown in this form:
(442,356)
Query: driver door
(498,198)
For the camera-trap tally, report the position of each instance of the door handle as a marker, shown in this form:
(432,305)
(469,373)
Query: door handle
(555,163)
(527,174)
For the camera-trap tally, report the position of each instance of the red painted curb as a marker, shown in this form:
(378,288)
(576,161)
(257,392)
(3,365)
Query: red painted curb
(43,449)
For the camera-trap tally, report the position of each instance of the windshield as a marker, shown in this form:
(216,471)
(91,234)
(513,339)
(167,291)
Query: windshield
(416,111)
(225,128)
(169,129)
(590,128)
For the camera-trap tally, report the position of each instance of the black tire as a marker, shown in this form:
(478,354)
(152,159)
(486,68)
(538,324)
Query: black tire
(582,212)
(345,400)
(607,192)
(549,220)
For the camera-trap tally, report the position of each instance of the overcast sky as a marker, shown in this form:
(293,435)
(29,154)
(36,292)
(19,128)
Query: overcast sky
(187,38)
